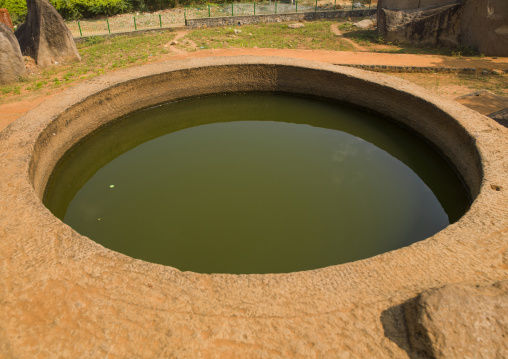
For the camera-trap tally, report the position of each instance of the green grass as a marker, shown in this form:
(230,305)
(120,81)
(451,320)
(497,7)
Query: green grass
(315,35)
(98,55)
(368,38)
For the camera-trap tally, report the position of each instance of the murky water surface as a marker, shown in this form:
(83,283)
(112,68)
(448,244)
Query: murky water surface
(256,183)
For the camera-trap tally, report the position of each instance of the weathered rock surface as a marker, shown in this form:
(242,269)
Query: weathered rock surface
(460,321)
(484,101)
(480,24)
(404,5)
(432,25)
(11,61)
(44,36)
(364,24)
(485,26)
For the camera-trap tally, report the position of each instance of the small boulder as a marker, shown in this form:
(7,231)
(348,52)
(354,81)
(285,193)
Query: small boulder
(460,321)
(297,25)
(364,24)
(237,31)
(44,36)
(174,42)
(12,65)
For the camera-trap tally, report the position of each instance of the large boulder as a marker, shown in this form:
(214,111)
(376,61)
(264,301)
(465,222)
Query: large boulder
(434,25)
(460,321)
(480,24)
(485,26)
(12,65)
(405,5)
(44,36)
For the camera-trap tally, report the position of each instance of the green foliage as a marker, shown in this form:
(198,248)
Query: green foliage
(17,9)
(78,9)
(466,51)
(75,9)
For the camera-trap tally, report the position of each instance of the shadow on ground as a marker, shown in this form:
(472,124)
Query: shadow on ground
(395,329)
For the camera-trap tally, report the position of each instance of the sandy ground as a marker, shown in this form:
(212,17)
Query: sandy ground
(10,111)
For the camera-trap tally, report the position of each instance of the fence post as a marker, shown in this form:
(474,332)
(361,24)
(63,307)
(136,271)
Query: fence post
(275,7)
(335,5)
(370,3)
(315,9)
(209,11)
(185,15)
(160,20)
(135,26)
(79,27)
(296,5)
(232,9)
(107,22)
(254,8)
(352,5)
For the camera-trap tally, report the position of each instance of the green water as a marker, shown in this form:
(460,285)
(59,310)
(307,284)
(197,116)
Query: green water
(254,183)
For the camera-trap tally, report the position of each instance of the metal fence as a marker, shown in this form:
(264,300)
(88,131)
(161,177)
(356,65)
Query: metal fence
(179,16)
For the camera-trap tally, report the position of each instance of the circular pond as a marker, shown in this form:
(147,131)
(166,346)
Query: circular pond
(254,183)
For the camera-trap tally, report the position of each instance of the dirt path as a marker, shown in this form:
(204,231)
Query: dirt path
(179,49)
(11,111)
(335,30)
(354,57)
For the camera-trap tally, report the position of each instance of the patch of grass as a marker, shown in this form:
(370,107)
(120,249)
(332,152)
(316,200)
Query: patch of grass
(315,35)
(364,37)
(370,38)
(98,55)
(10,89)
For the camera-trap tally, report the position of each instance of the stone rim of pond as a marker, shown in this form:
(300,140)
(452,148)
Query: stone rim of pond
(50,263)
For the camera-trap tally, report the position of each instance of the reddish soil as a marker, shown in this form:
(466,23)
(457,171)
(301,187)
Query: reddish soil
(11,111)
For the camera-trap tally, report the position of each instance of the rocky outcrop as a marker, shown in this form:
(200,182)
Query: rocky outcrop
(395,5)
(460,321)
(485,26)
(12,64)
(364,24)
(479,24)
(44,36)
(431,25)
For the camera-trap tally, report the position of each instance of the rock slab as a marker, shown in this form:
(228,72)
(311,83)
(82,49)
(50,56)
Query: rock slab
(44,36)
(460,321)
(364,24)
(431,25)
(297,25)
(482,24)
(12,64)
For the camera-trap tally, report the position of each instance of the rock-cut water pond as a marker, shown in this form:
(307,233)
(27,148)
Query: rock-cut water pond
(254,183)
